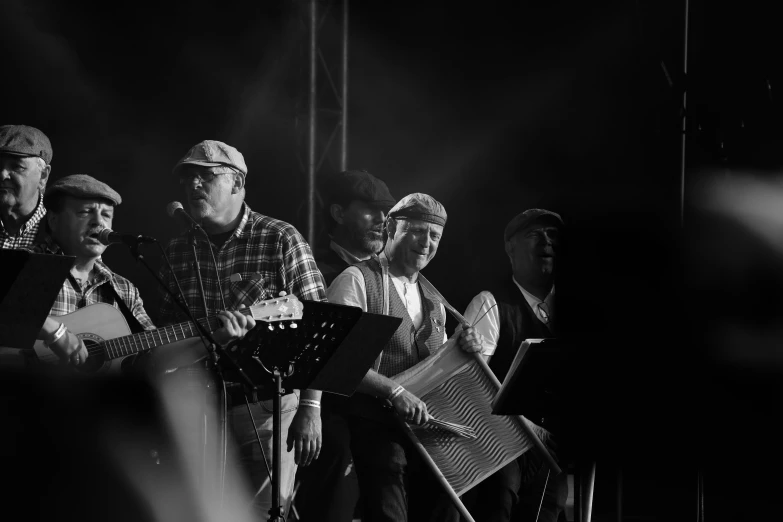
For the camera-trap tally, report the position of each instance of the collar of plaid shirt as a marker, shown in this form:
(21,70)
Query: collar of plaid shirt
(28,228)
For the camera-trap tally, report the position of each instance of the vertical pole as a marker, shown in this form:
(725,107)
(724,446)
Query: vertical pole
(344,95)
(684,116)
(311,135)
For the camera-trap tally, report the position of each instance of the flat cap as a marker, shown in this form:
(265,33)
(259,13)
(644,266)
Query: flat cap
(211,153)
(419,206)
(528,217)
(81,186)
(358,184)
(21,140)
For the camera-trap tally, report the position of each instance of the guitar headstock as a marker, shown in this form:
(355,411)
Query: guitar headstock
(283,308)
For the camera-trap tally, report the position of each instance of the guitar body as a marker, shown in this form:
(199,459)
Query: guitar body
(92,324)
(101,322)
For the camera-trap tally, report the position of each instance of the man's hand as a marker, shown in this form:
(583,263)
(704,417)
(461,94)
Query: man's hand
(471,341)
(235,326)
(304,435)
(70,349)
(410,408)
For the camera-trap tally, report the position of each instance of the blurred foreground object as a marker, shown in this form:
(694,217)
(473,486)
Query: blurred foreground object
(116,448)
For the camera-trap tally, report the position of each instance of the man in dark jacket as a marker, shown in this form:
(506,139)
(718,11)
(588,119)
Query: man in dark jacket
(356,204)
(523,309)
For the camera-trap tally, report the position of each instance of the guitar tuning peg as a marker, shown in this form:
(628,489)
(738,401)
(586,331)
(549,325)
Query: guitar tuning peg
(282,326)
(282,293)
(294,325)
(271,328)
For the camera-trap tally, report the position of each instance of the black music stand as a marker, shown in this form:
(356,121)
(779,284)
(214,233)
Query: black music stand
(532,386)
(29,284)
(329,349)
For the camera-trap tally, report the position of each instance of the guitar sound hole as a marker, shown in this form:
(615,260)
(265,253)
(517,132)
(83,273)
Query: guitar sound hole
(95,359)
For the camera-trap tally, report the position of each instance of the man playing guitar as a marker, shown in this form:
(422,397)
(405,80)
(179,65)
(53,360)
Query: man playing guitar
(79,207)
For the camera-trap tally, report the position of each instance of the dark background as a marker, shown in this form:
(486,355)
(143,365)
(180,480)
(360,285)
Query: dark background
(491,108)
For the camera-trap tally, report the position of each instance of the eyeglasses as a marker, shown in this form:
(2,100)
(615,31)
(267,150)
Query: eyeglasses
(187,177)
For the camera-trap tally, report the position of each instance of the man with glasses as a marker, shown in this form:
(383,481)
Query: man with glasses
(257,258)
(523,309)
(25,156)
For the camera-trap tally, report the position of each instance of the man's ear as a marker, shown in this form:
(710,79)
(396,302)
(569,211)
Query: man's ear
(391,227)
(510,251)
(337,212)
(44,177)
(52,219)
(239,183)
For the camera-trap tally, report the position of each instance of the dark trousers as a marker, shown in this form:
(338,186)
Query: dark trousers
(495,497)
(395,484)
(328,488)
(537,485)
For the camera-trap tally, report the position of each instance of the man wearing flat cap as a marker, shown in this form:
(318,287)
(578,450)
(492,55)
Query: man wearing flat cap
(394,482)
(258,257)
(25,157)
(79,207)
(356,203)
(522,309)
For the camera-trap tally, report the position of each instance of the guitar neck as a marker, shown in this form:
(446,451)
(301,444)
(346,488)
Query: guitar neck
(279,309)
(132,344)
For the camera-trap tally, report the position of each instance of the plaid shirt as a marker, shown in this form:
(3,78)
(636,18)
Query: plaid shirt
(29,231)
(262,257)
(74,296)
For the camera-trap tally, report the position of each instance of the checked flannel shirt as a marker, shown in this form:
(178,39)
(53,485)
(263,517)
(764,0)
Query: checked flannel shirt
(28,234)
(73,296)
(262,257)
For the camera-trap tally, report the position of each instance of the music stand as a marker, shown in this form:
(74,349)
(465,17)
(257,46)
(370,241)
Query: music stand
(330,349)
(531,386)
(29,284)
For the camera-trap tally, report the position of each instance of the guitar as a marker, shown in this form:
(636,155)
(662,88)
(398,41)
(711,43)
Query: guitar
(108,339)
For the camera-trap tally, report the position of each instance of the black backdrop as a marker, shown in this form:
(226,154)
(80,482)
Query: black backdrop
(570,106)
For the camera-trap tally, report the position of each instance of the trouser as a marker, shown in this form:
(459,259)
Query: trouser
(537,483)
(252,460)
(328,488)
(495,497)
(395,483)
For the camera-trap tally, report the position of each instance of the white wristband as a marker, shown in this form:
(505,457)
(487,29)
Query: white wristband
(57,334)
(395,393)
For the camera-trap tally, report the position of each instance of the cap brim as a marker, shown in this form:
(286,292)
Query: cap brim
(199,163)
(22,154)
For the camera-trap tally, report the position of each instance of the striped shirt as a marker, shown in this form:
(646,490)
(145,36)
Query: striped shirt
(26,238)
(262,257)
(74,295)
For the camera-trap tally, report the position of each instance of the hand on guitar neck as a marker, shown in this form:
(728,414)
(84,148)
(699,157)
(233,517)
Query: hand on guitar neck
(66,345)
(235,326)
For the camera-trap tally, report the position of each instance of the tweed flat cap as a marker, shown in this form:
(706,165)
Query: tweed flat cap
(21,140)
(528,217)
(81,186)
(211,153)
(419,206)
(358,184)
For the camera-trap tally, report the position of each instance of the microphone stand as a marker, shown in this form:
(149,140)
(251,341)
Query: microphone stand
(209,343)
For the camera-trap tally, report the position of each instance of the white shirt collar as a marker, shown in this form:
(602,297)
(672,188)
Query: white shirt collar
(533,300)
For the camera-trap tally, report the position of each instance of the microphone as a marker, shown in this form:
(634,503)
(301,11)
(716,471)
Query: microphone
(175,210)
(108,236)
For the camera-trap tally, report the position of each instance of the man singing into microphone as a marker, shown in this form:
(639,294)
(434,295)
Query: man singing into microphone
(257,258)
(79,207)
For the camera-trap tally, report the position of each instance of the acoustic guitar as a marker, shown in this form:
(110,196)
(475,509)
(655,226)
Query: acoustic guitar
(108,339)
